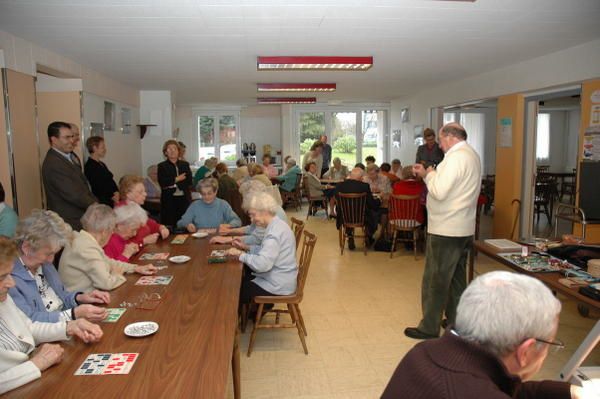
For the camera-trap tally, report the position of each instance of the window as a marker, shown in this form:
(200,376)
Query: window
(109,116)
(449,117)
(353,132)
(542,145)
(217,136)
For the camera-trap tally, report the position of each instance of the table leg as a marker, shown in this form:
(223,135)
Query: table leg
(235,366)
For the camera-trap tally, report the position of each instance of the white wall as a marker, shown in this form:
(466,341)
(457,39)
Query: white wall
(565,67)
(261,124)
(23,56)
(155,108)
(47,83)
(124,151)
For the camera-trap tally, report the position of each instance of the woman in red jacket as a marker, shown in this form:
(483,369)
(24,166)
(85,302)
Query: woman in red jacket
(409,185)
(131,189)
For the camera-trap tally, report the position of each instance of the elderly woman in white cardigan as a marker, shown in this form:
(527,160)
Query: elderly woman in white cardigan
(84,266)
(19,364)
(272,264)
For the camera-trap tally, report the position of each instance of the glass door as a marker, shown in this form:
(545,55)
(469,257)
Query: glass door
(218,137)
(343,137)
(373,135)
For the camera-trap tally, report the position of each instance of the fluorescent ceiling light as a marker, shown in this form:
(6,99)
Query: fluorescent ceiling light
(286,100)
(298,87)
(315,63)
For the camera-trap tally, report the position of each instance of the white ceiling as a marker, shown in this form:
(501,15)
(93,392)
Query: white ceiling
(206,51)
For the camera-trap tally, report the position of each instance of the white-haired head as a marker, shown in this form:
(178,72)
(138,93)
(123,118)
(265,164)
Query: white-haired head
(41,229)
(500,310)
(98,218)
(261,202)
(130,215)
(251,186)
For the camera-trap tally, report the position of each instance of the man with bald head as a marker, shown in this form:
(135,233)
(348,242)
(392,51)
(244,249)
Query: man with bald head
(352,185)
(453,188)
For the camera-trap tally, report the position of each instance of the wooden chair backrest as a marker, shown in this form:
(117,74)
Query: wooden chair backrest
(306,253)
(298,185)
(297,227)
(305,186)
(403,209)
(353,207)
(515,218)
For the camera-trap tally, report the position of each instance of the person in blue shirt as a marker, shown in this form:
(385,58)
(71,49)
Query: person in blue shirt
(288,179)
(8,217)
(39,291)
(210,212)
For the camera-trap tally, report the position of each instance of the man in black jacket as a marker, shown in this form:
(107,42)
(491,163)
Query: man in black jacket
(353,185)
(67,189)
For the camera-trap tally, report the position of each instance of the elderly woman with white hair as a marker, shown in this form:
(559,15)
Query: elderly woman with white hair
(39,291)
(338,172)
(129,218)
(250,234)
(505,325)
(272,264)
(20,361)
(288,179)
(84,266)
(210,212)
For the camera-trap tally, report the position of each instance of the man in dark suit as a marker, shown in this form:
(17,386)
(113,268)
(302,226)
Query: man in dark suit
(430,153)
(353,185)
(67,189)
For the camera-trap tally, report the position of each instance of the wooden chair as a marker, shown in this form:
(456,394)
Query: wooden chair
(314,201)
(298,228)
(353,208)
(403,210)
(543,199)
(294,197)
(515,218)
(292,301)
(568,187)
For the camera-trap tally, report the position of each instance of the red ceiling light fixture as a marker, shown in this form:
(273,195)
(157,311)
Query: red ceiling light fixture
(299,87)
(286,100)
(314,63)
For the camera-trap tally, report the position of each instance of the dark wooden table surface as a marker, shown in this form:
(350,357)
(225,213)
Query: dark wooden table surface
(550,279)
(189,356)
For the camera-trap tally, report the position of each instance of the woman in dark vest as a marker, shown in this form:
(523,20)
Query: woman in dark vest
(175,179)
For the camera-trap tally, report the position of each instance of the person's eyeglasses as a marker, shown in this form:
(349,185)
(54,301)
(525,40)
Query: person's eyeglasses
(556,344)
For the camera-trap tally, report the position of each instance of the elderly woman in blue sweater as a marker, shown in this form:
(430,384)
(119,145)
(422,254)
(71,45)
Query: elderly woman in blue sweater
(210,212)
(39,291)
(272,264)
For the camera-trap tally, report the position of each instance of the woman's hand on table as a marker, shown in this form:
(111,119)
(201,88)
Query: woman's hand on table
(84,330)
(164,232)
(225,228)
(239,244)
(191,228)
(146,270)
(221,240)
(90,312)
(233,252)
(47,355)
(151,239)
(95,296)
(131,249)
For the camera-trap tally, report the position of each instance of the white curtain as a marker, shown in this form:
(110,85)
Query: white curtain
(542,142)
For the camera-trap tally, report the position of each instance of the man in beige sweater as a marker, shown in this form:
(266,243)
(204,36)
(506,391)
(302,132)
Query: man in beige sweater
(451,207)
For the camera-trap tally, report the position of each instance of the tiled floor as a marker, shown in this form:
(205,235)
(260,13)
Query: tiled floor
(356,308)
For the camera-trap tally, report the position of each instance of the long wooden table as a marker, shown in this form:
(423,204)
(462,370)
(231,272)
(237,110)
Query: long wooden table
(189,356)
(550,279)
